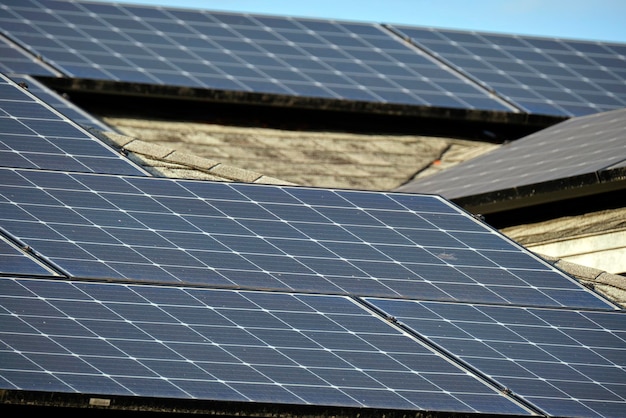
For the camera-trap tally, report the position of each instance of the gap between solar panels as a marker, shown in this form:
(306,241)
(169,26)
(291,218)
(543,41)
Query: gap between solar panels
(378,306)
(563,362)
(459,71)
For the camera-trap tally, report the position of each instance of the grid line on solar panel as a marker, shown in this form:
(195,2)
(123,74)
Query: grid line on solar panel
(580,146)
(15,60)
(14,261)
(299,57)
(541,75)
(34,135)
(59,103)
(224,345)
(269,237)
(567,362)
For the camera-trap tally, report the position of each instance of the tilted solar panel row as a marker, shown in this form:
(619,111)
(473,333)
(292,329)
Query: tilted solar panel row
(223,51)
(235,346)
(320,58)
(286,347)
(270,237)
(539,75)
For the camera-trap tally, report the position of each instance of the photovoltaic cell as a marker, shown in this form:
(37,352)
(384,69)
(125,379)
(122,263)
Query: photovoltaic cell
(287,56)
(226,345)
(540,75)
(271,237)
(567,362)
(578,146)
(34,135)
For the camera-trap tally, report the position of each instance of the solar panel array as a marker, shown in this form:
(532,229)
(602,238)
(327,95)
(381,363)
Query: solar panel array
(34,135)
(119,285)
(569,363)
(295,57)
(320,58)
(540,75)
(230,345)
(589,145)
(115,283)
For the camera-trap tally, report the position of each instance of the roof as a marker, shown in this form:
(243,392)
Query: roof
(321,159)
(169,162)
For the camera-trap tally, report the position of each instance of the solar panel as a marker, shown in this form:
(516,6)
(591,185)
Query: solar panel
(583,146)
(566,362)
(238,52)
(16,60)
(540,75)
(279,348)
(34,135)
(271,237)
(60,103)
(15,261)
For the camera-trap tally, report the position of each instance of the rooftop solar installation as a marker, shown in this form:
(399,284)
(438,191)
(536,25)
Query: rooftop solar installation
(238,52)
(60,103)
(568,363)
(34,135)
(224,345)
(592,146)
(279,238)
(255,300)
(540,75)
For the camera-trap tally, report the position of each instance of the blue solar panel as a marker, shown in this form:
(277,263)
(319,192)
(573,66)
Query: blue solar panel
(16,60)
(236,346)
(568,363)
(60,103)
(287,56)
(539,75)
(34,135)
(270,237)
(582,146)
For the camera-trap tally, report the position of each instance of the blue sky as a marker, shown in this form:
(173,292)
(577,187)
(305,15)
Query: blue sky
(603,20)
